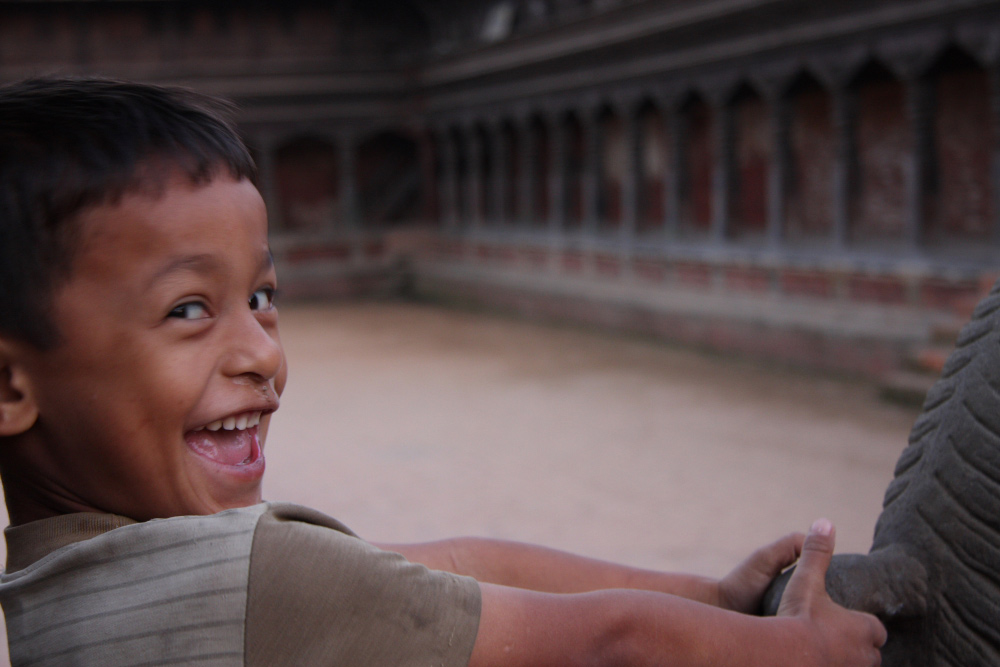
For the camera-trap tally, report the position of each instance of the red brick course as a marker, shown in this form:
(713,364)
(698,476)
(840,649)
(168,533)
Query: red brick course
(946,295)
(608,265)
(742,279)
(572,261)
(807,283)
(650,269)
(693,273)
(375,248)
(880,289)
(536,257)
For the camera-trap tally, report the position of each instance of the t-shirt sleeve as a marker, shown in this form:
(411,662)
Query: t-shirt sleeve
(318,595)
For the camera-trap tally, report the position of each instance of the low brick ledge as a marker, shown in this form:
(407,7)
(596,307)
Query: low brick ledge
(843,336)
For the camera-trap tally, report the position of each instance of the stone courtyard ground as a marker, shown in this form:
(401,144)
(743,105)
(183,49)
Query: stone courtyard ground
(411,422)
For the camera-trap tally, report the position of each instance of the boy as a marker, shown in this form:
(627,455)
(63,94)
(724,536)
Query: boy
(139,366)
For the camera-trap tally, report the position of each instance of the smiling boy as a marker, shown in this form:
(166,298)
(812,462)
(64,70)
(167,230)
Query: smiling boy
(167,332)
(140,364)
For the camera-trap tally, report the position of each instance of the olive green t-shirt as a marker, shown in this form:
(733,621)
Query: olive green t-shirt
(272,584)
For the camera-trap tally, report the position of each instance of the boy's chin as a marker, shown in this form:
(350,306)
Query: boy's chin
(228,486)
(227,497)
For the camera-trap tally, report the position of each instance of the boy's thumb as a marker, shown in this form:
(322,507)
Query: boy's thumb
(817,551)
(809,577)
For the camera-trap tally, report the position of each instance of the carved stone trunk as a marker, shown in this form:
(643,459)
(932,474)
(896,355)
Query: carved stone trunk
(933,572)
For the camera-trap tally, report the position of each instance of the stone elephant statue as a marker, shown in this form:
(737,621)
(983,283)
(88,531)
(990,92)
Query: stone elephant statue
(933,572)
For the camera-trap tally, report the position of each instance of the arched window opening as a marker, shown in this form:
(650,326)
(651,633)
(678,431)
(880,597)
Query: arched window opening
(958,199)
(306,177)
(575,155)
(652,162)
(511,148)
(883,143)
(541,148)
(484,170)
(812,148)
(389,180)
(461,203)
(697,164)
(613,168)
(753,153)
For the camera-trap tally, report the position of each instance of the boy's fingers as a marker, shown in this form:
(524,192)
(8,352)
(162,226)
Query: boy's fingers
(770,560)
(806,593)
(743,588)
(782,553)
(879,633)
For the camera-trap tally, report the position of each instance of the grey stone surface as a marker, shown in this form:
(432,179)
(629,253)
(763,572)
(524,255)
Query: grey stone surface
(933,572)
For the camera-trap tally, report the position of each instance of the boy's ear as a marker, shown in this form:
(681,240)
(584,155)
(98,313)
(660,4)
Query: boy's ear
(18,410)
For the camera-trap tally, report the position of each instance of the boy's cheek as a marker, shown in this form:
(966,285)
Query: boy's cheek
(262,429)
(282,377)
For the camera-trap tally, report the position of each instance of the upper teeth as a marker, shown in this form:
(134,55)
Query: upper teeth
(240,422)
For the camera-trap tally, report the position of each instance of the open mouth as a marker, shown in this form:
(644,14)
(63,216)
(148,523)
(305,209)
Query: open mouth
(232,441)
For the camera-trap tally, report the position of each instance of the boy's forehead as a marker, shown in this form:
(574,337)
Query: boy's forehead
(184,226)
(178,205)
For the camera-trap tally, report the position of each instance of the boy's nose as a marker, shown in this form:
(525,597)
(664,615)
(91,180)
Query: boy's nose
(254,349)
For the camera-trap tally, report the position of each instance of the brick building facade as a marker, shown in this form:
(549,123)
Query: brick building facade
(812,182)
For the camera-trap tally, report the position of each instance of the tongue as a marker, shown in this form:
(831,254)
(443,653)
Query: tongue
(226,447)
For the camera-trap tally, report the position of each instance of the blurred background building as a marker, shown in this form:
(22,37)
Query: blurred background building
(814,182)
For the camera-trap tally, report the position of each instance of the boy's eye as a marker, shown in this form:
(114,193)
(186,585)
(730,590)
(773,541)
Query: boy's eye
(189,311)
(262,299)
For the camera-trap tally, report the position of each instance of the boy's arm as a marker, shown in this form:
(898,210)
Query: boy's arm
(546,570)
(520,627)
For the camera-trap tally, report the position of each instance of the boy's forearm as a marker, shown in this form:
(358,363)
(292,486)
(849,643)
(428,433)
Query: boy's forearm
(633,628)
(548,570)
(553,608)
(685,633)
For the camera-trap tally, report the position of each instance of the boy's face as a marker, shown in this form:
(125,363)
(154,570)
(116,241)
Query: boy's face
(169,357)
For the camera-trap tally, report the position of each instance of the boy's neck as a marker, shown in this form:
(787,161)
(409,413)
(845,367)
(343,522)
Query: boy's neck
(27,499)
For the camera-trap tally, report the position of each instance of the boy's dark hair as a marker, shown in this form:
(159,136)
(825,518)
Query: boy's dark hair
(67,144)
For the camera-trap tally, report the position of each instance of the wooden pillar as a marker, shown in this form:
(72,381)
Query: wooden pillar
(348,181)
(449,181)
(557,174)
(591,170)
(528,173)
(722,177)
(994,140)
(474,178)
(430,202)
(501,168)
(267,178)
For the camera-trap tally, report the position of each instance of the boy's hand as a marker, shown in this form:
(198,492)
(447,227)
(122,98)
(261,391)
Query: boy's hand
(832,635)
(742,589)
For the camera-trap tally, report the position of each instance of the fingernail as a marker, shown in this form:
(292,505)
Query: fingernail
(821,527)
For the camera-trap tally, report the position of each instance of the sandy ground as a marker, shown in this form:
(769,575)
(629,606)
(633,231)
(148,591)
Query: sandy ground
(411,423)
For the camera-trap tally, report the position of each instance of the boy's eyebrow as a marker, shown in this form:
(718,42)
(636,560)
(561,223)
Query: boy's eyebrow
(203,263)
